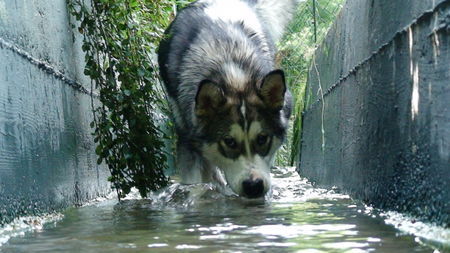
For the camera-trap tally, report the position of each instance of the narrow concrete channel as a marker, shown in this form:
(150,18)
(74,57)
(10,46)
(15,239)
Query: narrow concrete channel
(376,131)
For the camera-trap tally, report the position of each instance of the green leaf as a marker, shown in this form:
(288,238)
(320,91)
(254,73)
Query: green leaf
(98,150)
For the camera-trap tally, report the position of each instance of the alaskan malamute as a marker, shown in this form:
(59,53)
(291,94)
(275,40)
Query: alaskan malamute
(230,102)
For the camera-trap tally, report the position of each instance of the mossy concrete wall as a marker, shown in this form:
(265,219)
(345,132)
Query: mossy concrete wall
(377,119)
(47,158)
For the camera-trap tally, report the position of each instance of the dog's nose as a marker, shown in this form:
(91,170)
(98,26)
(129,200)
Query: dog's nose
(253,188)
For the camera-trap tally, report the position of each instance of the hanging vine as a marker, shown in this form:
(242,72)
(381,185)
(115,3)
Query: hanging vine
(119,41)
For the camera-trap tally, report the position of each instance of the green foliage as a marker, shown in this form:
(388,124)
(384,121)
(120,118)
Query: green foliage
(120,38)
(295,51)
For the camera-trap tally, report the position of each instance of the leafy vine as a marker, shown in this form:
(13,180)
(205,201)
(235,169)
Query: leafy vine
(119,41)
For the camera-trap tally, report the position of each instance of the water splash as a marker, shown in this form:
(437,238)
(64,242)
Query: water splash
(20,226)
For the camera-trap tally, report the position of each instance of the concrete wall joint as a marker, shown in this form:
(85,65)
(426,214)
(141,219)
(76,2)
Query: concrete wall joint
(45,66)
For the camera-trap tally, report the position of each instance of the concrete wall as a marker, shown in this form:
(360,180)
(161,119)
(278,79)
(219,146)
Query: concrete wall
(377,119)
(47,158)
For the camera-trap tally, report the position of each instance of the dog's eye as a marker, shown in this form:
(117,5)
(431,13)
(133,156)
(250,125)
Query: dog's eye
(230,142)
(262,139)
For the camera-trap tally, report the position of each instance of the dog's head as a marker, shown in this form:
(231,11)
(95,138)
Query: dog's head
(243,127)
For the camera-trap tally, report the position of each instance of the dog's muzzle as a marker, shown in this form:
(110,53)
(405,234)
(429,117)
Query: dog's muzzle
(253,188)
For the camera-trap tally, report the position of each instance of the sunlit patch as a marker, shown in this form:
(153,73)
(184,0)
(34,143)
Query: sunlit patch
(157,245)
(213,237)
(373,239)
(415,92)
(436,48)
(414,70)
(435,38)
(411,42)
(221,228)
(187,246)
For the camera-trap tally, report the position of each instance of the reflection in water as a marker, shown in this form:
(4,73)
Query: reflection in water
(296,217)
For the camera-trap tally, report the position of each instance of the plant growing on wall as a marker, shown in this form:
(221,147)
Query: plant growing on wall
(120,37)
(309,26)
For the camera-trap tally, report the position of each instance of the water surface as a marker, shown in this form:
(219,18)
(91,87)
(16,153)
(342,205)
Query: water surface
(296,218)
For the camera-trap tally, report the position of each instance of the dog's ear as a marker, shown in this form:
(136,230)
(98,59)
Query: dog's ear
(209,98)
(273,89)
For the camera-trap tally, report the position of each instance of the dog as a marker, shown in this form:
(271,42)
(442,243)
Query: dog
(230,103)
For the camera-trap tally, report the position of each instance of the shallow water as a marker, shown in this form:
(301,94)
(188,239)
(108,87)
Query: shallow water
(296,218)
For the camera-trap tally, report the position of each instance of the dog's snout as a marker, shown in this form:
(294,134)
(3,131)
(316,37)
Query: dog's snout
(253,188)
